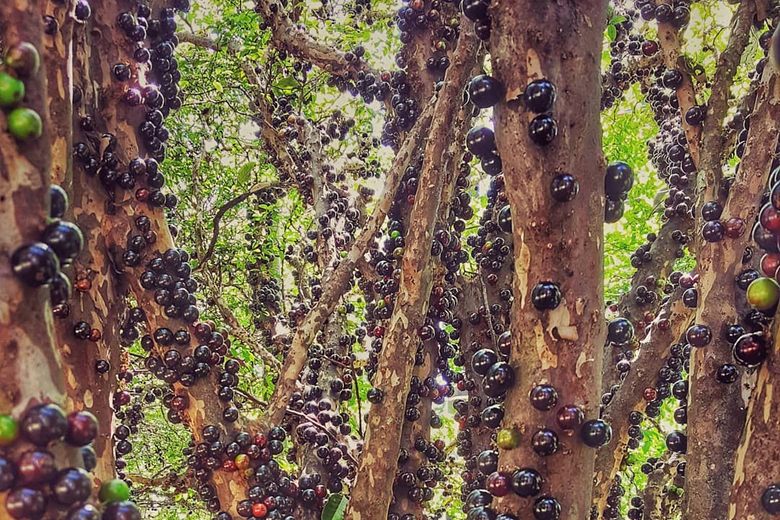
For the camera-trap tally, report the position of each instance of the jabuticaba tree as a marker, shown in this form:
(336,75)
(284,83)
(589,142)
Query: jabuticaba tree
(429,235)
(46,437)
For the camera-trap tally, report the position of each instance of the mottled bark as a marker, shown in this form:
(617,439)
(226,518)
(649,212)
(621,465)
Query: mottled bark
(31,369)
(716,412)
(557,242)
(338,283)
(758,455)
(370,497)
(653,352)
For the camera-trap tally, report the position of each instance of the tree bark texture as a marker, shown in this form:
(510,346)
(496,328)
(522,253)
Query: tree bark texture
(716,412)
(371,495)
(556,242)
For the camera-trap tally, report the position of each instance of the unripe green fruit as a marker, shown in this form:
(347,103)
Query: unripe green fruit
(508,438)
(9,430)
(24,124)
(115,490)
(763,293)
(11,90)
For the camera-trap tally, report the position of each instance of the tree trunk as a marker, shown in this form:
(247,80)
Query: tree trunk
(556,242)
(371,493)
(716,412)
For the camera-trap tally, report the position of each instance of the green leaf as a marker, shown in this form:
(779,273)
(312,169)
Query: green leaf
(245,171)
(611,32)
(286,83)
(334,507)
(617,19)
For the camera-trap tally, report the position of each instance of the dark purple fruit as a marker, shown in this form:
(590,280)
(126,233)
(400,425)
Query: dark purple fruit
(677,442)
(499,378)
(65,239)
(481,141)
(727,374)
(770,499)
(596,433)
(44,423)
(526,482)
(482,360)
(36,467)
(539,96)
(25,503)
(35,264)
(71,486)
(546,296)
(85,512)
(547,508)
(485,91)
(751,350)
(698,335)
(620,331)
(504,219)
(545,442)
(542,129)
(7,474)
(564,187)
(58,201)
(82,428)
(121,511)
(618,180)
(543,397)
(613,211)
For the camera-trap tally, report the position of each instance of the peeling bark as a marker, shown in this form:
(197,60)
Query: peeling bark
(716,412)
(562,243)
(758,454)
(370,498)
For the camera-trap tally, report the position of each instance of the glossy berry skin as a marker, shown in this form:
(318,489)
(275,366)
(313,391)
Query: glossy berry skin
(485,91)
(35,264)
(71,486)
(620,331)
(596,433)
(545,442)
(711,210)
(547,508)
(542,129)
(543,397)
(570,417)
(546,296)
(476,10)
(7,474)
(526,482)
(492,416)
(713,231)
(695,115)
(751,350)
(727,374)
(770,499)
(539,96)
(498,484)
(504,219)
(65,239)
(36,467)
(121,511)
(85,512)
(482,360)
(698,335)
(43,424)
(613,210)
(499,378)
(618,180)
(82,428)
(677,442)
(58,201)
(481,141)
(564,188)
(11,90)
(25,503)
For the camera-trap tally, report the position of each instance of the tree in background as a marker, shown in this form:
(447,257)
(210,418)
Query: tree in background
(482,259)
